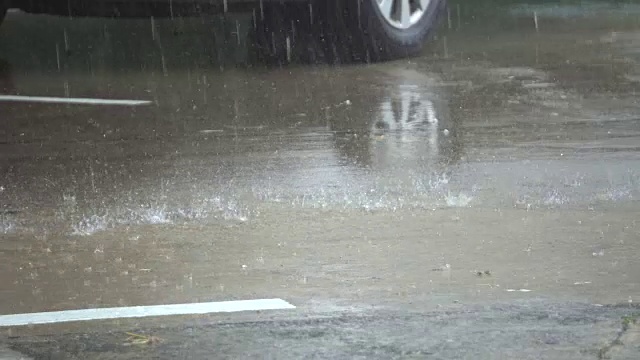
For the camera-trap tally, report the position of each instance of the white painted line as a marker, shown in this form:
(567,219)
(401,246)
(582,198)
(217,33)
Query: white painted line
(79,101)
(143,311)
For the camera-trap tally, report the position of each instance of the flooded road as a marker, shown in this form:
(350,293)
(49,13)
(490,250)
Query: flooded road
(501,167)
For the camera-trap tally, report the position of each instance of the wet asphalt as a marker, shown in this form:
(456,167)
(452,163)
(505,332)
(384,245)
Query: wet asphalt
(479,201)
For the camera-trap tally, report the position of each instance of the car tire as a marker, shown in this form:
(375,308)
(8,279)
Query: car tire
(343,30)
(381,38)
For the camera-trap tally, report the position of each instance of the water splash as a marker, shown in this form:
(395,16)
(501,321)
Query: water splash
(458,200)
(159,214)
(555,197)
(90,225)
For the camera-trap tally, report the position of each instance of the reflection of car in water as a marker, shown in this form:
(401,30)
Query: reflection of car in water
(411,127)
(409,120)
(359,29)
(408,110)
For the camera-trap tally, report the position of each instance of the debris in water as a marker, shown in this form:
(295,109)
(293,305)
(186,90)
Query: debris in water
(442,268)
(483,273)
(138,339)
(344,103)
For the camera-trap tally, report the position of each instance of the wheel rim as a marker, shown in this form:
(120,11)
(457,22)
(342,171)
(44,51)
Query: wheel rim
(402,14)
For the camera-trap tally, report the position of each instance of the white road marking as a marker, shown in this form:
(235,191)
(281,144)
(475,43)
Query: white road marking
(143,311)
(78,101)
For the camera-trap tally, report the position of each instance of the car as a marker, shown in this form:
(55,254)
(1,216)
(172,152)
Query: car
(352,30)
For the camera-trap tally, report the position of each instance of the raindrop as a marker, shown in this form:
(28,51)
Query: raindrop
(273,42)
(237,30)
(66,41)
(58,56)
(446,47)
(261,10)
(164,65)
(204,88)
(293,30)
(153,29)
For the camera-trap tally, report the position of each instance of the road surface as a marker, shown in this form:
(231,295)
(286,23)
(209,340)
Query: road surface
(479,201)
